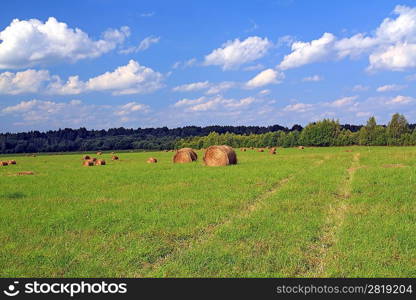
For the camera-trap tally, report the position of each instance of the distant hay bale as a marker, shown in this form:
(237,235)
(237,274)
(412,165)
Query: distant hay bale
(114,157)
(260,150)
(99,153)
(86,157)
(25,173)
(220,156)
(301,147)
(272,151)
(243,149)
(185,155)
(88,163)
(4,163)
(151,160)
(11,162)
(99,162)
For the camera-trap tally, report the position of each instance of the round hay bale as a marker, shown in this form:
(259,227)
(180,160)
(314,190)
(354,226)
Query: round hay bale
(114,157)
(99,162)
(185,155)
(4,163)
(151,160)
(88,163)
(86,157)
(301,147)
(220,156)
(25,173)
(11,162)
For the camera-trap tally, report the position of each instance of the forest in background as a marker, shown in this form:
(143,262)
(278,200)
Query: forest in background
(322,133)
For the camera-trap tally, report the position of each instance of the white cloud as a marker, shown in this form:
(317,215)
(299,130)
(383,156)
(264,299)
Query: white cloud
(342,101)
(131,107)
(401,100)
(129,79)
(390,87)
(298,107)
(214,103)
(308,52)
(360,88)
(313,78)
(265,92)
(74,113)
(26,43)
(235,53)
(268,76)
(391,47)
(29,81)
(216,88)
(195,86)
(211,88)
(144,45)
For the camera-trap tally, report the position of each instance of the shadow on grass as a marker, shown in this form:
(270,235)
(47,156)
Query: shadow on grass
(15,195)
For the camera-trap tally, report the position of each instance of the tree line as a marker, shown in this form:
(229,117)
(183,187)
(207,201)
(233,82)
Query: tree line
(322,133)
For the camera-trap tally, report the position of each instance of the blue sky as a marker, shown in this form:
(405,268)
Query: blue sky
(104,63)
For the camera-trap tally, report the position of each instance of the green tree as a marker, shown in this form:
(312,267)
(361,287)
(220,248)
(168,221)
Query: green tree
(396,128)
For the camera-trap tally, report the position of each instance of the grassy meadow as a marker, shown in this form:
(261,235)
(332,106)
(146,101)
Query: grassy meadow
(317,212)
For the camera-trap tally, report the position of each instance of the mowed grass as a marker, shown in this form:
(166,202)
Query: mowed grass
(301,213)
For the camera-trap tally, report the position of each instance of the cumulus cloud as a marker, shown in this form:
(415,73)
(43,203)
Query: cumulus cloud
(298,107)
(308,52)
(129,79)
(211,88)
(29,81)
(392,46)
(232,54)
(190,87)
(266,77)
(27,43)
(390,87)
(214,103)
(342,101)
(401,100)
(75,113)
(130,108)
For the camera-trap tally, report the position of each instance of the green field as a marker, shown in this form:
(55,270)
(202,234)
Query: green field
(317,212)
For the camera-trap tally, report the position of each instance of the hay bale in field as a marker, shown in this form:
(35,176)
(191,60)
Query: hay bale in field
(243,149)
(25,173)
(220,156)
(86,157)
(185,155)
(99,153)
(4,163)
(151,160)
(260,150)
(11,162)
(88,163)
(272,151)
(99,162)
(114,157)
(301,147)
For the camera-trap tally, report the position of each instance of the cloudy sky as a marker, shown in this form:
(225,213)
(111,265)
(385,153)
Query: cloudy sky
(106,63)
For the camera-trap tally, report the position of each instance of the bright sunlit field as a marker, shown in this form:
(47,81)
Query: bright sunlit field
(316,212)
